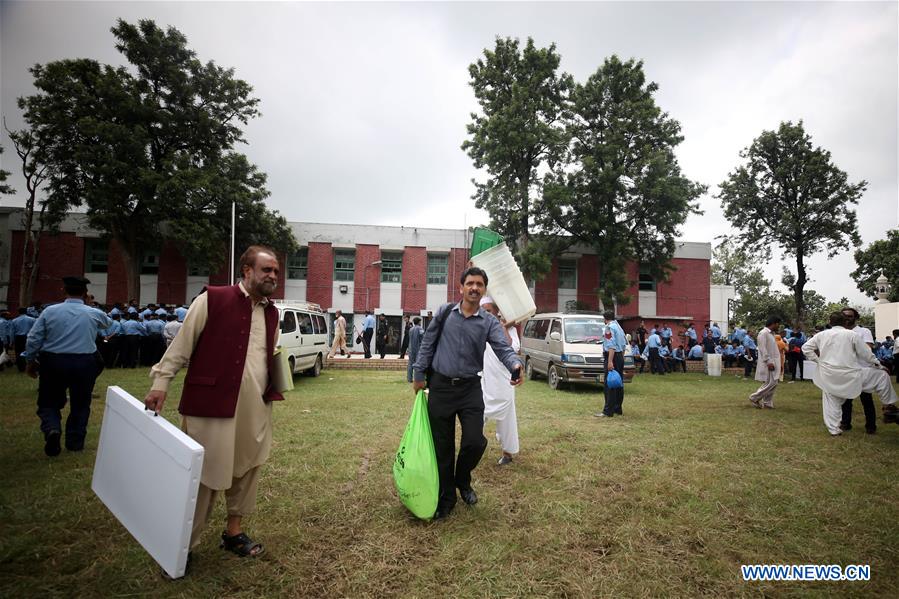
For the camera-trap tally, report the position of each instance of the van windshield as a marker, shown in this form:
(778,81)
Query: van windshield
(584,330)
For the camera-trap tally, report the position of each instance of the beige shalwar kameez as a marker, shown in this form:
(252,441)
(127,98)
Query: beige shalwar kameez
(236,447)
(768,354)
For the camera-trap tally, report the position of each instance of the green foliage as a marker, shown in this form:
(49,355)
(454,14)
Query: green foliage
(150,150)
(520,129)
(621,190)
(882,256)
(4,188)
(733,265)
(791,195)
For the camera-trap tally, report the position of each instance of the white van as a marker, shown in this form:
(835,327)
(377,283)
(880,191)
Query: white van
(304,336)
(567,348)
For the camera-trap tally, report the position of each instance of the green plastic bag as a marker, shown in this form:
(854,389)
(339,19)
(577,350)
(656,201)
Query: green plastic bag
(415,467)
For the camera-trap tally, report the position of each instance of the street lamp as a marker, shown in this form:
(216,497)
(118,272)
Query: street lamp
(365,281)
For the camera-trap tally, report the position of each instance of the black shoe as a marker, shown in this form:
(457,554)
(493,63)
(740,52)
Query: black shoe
(871,430)
(51,443)
(442,513)
(845,427)
(468,496)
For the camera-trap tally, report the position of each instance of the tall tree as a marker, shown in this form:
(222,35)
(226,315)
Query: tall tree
(5,189)
(882,256)
(732,265)
(520,130)
(49,213)
(621,190)
(149,150)
(790,194)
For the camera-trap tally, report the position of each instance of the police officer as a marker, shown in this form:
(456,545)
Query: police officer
(21,326)
(63,344)
(613,356)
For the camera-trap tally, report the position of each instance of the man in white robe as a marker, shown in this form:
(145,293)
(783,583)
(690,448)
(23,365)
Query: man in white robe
(499,395)
(837,352)
(768,366)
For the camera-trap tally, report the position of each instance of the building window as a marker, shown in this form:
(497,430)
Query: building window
(344,265)
(437,269)
(391,267)
(296,264)
(567,274)
(96,256)
(647,281)
(150,263)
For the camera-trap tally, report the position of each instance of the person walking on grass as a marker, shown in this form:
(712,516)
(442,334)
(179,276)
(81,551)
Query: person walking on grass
(768,365)
(227,409)
(850,315)
(339,343)
(453,346)
(839,353)
(499,395)
(415,335)
(613,359)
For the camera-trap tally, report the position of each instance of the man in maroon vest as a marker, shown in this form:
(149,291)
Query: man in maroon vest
(228,339)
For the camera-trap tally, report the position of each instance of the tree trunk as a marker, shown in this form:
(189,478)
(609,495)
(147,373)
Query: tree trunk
(131,258)
(799,288)
(28,266)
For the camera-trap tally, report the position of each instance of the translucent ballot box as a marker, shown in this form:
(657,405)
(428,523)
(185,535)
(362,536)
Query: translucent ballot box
(147,473)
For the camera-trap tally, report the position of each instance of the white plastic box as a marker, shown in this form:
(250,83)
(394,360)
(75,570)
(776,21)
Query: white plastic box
(147,473)
(506,284)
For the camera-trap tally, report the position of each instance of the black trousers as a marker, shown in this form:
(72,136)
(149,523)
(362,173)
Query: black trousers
(675,364)
(382,346)
(615,397)
(867,405)
(72,373)
(366,341)
(405,345)
(797,362)
(129,348)
(655,361)
(446,402)
(19,342)
(748,365)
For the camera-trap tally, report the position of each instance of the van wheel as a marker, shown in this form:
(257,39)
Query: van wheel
(554,377)
(293,364)
(529,370)
(317,368)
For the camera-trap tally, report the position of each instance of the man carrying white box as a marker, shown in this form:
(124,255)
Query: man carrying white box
(228,337)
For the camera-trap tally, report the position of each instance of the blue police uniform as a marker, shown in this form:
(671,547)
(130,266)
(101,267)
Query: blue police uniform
(614,339)
(368,331)
(20,327)
(180,312)
(653,344)
(63,343)
(129,346)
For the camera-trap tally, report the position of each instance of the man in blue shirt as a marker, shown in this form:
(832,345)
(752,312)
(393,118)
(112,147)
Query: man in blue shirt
(154,341)
(653,344)
(613,345)
(679,359)
(695,353)
(453,348)
(21,325)
(129,345)
(62,344)
(181,312)
(5,339)
(690,333)
(716,332)
(110,344)
(368,331)
(665,357)
(666,335)
(749,353)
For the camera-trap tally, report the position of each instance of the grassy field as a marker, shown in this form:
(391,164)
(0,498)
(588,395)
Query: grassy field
(668,501)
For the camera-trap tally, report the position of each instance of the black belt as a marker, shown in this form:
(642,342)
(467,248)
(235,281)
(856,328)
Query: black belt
(455,381)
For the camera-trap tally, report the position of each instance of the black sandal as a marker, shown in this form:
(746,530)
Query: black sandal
(242,545)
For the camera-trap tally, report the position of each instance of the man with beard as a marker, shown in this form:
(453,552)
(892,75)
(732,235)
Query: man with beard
(227,409)
(453,348)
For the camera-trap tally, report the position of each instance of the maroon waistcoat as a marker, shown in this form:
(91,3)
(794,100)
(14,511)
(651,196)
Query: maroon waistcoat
(216,365)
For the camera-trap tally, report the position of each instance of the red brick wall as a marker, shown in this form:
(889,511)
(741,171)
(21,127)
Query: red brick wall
(687,293)
(61,255)
(367,279)
(171,286)
(587,281)
(456,265)
(546,290)
(415,279)
(320,274)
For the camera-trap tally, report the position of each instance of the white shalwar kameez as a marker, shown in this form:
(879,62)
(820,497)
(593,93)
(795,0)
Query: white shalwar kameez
(499,397)
(838,353)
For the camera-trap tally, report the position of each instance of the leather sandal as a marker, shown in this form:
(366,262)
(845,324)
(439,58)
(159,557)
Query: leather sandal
(242,545)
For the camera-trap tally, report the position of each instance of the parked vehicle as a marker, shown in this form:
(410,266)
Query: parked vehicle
(567,348)
(304,336)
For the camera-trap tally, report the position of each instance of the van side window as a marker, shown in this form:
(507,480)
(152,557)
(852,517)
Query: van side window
(305,324)
(542,326)
(556,327)
(529,328)
(319,323)
(288,323)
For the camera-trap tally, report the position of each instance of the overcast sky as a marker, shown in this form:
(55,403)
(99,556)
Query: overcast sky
(364,105)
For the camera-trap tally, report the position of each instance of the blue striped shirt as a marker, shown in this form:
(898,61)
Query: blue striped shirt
(614,337)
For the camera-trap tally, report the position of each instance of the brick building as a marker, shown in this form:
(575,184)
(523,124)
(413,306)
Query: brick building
(353,268)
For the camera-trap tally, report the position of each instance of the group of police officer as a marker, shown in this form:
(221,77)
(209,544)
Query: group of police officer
(71,342)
